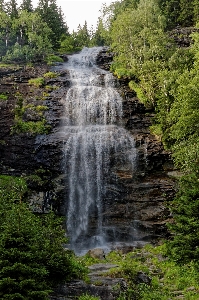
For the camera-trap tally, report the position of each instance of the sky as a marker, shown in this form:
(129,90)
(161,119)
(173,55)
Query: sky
(78,11)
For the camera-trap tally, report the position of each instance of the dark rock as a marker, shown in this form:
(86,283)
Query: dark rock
(105,58)
(141,277)
(64,57)
(107,288)
(181,35)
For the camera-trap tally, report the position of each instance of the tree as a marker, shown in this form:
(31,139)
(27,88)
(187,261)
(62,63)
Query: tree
(82,36)
(32,257)
(27,5)
(2,5)
(33,35)
(184,246)
(53,16)
(139,40)
(11,9)
(5,32)
(99,36)
(186,15)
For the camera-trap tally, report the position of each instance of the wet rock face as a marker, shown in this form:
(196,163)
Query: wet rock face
(134,206)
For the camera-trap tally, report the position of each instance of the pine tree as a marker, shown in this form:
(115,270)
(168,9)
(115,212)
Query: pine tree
(196,11)
(2,5)
(98,37)
(184,246)
(53,16)
(11,9)
(27,5)
(186,15)
(32,257)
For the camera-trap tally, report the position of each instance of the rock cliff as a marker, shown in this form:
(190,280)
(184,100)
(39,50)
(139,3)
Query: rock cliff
(38,157)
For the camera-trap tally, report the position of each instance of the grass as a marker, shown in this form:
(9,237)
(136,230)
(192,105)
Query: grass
(168,280)
(3,97)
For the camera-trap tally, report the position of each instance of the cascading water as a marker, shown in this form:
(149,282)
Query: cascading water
(94,139)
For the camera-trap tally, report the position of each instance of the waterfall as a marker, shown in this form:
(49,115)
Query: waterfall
(94,141)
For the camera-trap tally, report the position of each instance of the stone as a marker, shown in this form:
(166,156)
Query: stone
(191,288)
(141,277)
(96,253)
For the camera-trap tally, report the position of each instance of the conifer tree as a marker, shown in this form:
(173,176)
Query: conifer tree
(12,9)
(32,257)
(27,5)
(2,5)
(53,16)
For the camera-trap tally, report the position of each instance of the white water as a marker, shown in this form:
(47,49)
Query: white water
(93,112)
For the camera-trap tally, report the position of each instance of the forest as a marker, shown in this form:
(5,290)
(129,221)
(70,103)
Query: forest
(144,35)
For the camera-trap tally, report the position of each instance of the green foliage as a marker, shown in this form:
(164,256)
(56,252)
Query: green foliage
(88,297)
(140,94)
(50,75)
(53,59)
(53,16)
(38,82)
(12,190)
(39,127)
(33,259)
(184,247)
(168,279)
(33,127)
(3,97)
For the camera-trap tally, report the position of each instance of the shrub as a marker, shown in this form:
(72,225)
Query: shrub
(39,127)
(53,59)
(38,82)
(33,259)
(50,75)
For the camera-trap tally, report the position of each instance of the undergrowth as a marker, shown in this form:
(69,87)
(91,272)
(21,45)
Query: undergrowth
(168,280)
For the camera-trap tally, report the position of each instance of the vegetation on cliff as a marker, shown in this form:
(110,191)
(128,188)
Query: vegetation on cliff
(151,53)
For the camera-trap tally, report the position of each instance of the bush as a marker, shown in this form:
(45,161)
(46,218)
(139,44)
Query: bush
(33,259)
(39,127)
(53,59)
(50,75)
(38,82)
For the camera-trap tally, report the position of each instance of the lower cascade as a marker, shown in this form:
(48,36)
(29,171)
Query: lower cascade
(95,144)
